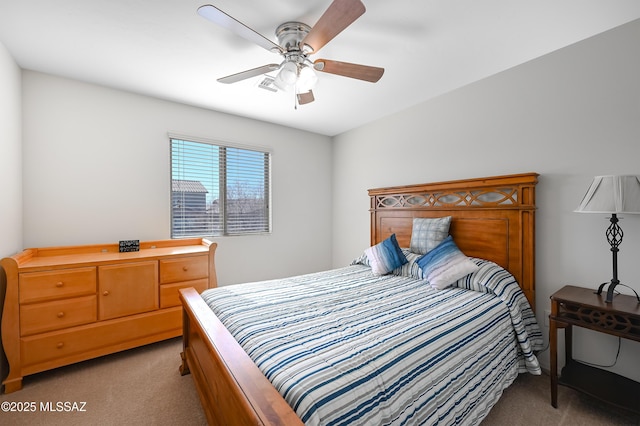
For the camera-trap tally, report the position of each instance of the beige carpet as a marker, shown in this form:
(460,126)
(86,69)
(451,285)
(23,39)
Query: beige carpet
(137,387)
(527,402)
(143,387)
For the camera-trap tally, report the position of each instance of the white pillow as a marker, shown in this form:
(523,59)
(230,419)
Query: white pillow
(445,264)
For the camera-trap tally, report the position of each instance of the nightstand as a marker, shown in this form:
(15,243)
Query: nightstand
(583,308)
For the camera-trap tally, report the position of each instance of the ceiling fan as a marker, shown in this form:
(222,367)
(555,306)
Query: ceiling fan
(297,41)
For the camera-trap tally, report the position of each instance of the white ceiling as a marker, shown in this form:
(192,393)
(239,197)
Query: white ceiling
(162,48)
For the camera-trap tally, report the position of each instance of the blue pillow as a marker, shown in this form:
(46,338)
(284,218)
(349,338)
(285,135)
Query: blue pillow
(386,256)
(445,264)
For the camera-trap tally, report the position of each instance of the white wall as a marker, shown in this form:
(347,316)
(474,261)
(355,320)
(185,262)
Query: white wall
(10,155)
(96,170)
(570,115)
(10,169)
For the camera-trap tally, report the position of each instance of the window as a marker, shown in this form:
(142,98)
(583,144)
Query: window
(218,190)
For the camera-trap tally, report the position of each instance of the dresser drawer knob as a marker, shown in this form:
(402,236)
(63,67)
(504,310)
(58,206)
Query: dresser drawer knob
(185,269)
(60,314)
(59,284)
(105,293)
(60,345)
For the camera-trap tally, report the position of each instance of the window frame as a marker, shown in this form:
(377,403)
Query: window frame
(222,174)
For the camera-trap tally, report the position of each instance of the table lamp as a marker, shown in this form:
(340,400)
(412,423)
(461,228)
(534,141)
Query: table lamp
(612,195)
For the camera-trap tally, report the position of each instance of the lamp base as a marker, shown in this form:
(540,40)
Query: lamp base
(612,285)
(610,290)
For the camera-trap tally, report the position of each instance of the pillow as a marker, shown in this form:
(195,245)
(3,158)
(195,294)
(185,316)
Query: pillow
(486,278)
(362,260)
(386,256)
(478,279)
(427,233)
(410,269)
(445,264)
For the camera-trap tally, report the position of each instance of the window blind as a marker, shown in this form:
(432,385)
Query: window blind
(218,190)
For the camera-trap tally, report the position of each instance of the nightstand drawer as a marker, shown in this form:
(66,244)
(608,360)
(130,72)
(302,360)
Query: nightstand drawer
(48,316)
(58,284)
(184,269)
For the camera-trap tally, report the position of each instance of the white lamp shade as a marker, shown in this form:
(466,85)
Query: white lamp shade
(286,78)
(612,194)
(307,79)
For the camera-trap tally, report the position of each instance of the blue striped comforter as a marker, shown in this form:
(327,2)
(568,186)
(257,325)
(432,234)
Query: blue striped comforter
(346,347)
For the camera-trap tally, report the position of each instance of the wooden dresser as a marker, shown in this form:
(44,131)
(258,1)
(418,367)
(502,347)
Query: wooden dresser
(69,304)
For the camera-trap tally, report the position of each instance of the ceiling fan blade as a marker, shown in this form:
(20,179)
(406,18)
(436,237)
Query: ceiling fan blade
(339,15)
(217,16)
(305,98)
(234,78)
(345,69)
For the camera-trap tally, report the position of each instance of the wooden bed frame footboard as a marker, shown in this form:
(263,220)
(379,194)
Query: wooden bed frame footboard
(492,218)
(233,391)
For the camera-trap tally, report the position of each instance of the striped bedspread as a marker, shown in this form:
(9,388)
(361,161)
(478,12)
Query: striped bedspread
(346,347)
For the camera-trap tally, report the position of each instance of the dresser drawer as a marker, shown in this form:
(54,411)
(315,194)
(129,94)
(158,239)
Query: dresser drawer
(184,269)
(58,284)
(47,350)
(169,295)
(48,316)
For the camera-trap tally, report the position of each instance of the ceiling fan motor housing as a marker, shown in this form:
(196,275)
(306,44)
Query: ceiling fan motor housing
(290,34)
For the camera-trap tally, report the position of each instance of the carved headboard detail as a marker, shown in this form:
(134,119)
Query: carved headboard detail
(492,218)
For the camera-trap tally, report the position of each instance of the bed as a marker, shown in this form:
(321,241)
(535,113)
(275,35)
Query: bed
(351,346)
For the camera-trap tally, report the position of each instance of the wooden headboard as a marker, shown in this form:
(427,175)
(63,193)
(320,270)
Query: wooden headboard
(492,218)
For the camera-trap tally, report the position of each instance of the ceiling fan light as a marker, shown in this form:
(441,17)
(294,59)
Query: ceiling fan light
(287,77)
(307,79)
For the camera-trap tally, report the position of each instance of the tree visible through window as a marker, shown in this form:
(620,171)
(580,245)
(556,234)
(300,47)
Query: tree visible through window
(218,190)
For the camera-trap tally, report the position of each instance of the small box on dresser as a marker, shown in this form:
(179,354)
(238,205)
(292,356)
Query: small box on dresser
(68,304)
